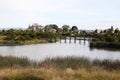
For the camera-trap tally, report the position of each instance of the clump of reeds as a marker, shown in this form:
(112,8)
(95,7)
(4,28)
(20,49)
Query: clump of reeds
(107,64)
(10,61)
(58,63)
(68,62)
(80,62)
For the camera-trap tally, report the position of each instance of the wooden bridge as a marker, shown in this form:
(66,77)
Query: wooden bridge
(69,39)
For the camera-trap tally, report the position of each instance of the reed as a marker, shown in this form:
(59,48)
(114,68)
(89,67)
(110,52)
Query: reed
(69,68)
(67,62)
(10,61)
(58,63)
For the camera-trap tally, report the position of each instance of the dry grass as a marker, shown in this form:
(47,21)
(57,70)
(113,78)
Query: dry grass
(35,41)
(14,68)
(2,38)
(54,74)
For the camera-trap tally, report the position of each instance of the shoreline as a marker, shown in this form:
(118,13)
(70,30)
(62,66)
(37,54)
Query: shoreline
(27,42)
(99,44)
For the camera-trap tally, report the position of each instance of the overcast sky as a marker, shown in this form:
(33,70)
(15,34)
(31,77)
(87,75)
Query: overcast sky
(86,14)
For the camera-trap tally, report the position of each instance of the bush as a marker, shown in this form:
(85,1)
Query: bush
(105,44)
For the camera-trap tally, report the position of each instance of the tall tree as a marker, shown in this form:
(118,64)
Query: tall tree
(47,28)
(65,28)
(50,27)
(116,30)
(111,30)
(74,29)
(35,27)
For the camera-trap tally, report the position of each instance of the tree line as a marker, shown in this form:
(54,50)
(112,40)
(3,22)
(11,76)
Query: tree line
(36,31)
(109,35)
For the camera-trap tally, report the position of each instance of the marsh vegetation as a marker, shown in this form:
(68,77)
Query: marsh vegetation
(69,68)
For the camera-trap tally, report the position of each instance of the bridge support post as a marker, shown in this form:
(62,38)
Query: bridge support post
(70,40)
(65,39)
(75,39)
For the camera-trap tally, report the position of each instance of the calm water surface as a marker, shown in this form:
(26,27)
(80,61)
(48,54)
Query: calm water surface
(51,50)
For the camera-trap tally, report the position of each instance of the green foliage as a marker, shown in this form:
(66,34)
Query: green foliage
(34,31)
(51,28)
(65,29)
(74,30)
(51,31)
(116,31)
(10,34)
(110,38)
(105,45)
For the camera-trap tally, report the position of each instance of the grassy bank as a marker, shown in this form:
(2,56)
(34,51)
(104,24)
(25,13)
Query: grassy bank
(70,68)
(26,42)
(115,45)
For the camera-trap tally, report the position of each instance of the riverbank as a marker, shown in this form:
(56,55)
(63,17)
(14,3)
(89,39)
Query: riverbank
(69,68)
(100,44)
(26,42)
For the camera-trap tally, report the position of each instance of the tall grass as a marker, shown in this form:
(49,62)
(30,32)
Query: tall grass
(59,63)
(107,64)
(68,62)
(10,61)
(69,68)
(80,62)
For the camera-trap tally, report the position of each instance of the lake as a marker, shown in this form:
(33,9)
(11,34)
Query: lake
(59,49)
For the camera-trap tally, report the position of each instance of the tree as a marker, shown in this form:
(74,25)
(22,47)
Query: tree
(10,34)
(47,28)
(74,29)
(95,32)
(111,30)
(50,27)
(116,30)
(53,26)
(65,28)
(35,27)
